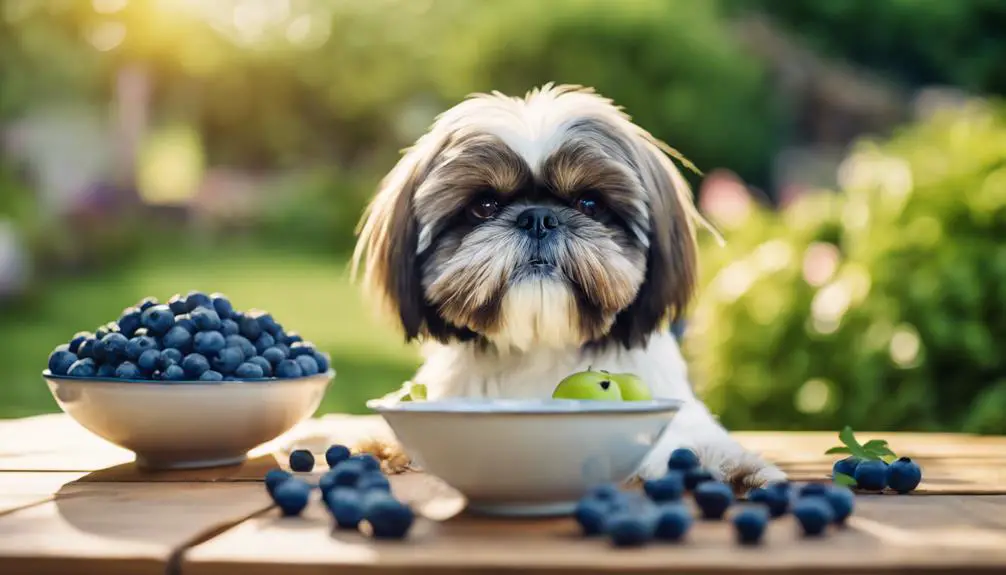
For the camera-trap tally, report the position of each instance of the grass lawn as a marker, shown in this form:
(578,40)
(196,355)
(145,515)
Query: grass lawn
(306,293)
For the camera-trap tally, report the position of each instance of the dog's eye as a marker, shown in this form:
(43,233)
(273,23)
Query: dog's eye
(589,205)
(483,208)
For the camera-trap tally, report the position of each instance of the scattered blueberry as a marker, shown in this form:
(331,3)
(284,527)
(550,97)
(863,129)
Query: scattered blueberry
(670,487)
(210,375)
(158,319)
(903,475)
(177,338)
(83,368)
(149,361)
(776,500)
(173,373)
(673,522)
(129,321)
(208,342)
(302,348)
(288,368)
(367,461)
(177,304)
(229,327)
(292,496)
(61,360)
(628,529)
(274,477)
(307,365)
(813,514)
(846,466)
(682,459)
(128,370)
(813,490)
(373,480)
(263,364)
(871,475)
(750,525)
(77,339)
(222,305)
(605,492)
(241,343)
(327,481)
(301,460)
(713,498)
(227,360)
(389,518)
(591,514)
(842,500)
(195,300)
(696,476)
(139,344)
(250,327)
(264,342)
(111,348)
(274,355)
(249,371)
(346,506)
(194,365)
(336,454)
(347,473)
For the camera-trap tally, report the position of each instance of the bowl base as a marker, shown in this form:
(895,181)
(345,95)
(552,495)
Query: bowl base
(552,509)
(165,465)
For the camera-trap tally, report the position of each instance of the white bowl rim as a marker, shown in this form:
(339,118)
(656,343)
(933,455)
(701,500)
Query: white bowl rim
(497,406)
(115,381)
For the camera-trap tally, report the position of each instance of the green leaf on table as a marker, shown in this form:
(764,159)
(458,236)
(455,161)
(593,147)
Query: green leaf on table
(849,439)
(843,479)
(838,449)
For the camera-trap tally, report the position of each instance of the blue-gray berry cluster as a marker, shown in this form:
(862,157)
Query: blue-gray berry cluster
(901,476)
(196,337)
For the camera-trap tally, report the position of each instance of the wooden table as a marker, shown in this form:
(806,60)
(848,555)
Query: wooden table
(71,503)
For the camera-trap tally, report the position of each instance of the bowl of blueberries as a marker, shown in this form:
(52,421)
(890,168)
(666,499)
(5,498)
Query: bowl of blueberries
(189,383)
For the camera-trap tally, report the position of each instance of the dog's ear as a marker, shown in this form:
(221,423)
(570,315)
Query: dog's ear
(671,266)
(388,237)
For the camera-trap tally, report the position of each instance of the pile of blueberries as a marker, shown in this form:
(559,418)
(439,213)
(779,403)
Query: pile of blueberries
(661,512)
(196,337)
(353,490)
(902,475)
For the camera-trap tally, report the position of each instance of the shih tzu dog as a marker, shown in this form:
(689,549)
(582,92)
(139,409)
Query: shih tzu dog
(525,239)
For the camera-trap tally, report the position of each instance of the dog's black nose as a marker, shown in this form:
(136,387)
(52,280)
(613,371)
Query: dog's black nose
(538,222)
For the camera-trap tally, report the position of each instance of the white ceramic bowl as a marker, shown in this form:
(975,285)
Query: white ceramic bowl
(185,425)
(527,457)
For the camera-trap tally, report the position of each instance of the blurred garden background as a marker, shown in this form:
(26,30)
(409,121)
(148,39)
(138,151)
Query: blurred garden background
(854,158)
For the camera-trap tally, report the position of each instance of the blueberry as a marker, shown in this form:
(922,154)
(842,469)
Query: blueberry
(136,346)
(158,319)
(292,496)
(302,348)
(227,360)
(185,322)
(673,522)
(77,339)
(301,460)
(288,369)
(813,490)
(750,525)
(274,355)
(128,370)
(110,327)
(683,459)
(250,327)
(147,303)
(591,514)
(196,299)
(713,498)
(813,514)
(284,349)
(83,368)
(389,518)
(670,487)
(195,365)
(346,507)
(149,361)
(60,361)
(336,454)
(208,342)
(111,348)
(267,323)
(327,482)
(605,492)
(222,305)
(106,370)
(177,304)
(846,466)
(307,365)
(291,338)
(206,319)
(249,371)
(229,327)
(86,349)
(627,529)
(129,321)
(776,500)
(367,461)
(347,473)
(373,480)
(241,343)
(871,475)
(173,373)
(696,476)
(904,475)
(210,375)
(323,361)
(274,477)
(169,356)
(842,500)
(264,342)
(263,364)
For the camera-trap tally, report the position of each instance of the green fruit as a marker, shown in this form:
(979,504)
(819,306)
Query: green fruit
(596,385)
(417,392)
(632,386)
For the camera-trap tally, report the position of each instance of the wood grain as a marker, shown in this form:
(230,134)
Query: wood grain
(19,490)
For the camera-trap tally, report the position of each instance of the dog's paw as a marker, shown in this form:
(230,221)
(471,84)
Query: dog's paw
(746,472)
(391,455)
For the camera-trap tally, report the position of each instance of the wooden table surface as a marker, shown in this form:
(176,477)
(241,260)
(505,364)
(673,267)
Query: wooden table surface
(71,503)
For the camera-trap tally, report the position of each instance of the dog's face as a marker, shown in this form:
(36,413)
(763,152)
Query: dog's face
(549,221)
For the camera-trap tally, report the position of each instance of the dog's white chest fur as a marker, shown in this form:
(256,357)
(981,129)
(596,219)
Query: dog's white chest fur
(465,371)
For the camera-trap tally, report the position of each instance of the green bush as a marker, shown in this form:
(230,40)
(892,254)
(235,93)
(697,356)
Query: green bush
(906,331)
